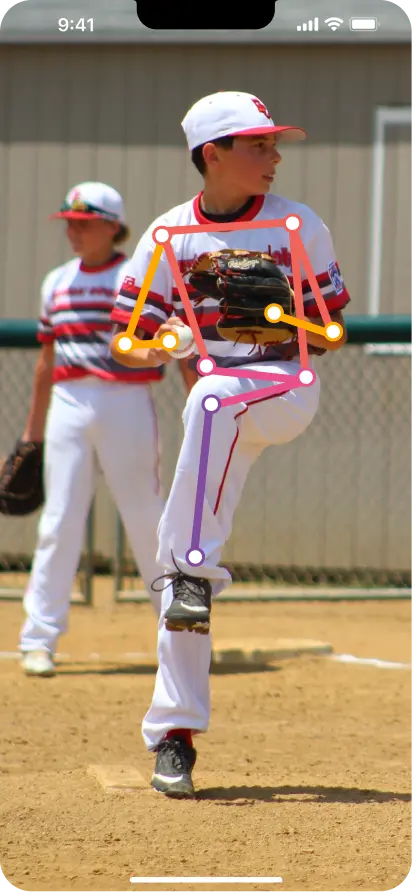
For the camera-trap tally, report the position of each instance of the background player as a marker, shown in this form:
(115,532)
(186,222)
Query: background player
(234,145)
(100,417)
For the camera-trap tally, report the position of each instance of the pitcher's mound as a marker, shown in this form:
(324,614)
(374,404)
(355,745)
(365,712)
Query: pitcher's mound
(252,651)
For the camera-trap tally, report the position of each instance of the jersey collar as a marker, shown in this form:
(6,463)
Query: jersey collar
(100,269)
(249,215)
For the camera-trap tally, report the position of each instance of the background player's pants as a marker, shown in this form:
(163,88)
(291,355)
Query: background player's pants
(239,434)
(91,423)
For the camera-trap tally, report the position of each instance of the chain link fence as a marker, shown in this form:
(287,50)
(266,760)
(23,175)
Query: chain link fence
(328,512)
(18,534)
(331,509)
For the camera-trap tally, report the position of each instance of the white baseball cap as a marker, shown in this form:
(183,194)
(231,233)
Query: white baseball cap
(90,200)
(230,113)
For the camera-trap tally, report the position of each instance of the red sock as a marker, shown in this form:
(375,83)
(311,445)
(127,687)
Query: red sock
(182,732)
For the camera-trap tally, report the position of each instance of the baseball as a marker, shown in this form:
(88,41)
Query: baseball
(186,343)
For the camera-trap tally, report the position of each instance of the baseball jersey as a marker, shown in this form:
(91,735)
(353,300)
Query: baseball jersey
(164,300)
(76,304)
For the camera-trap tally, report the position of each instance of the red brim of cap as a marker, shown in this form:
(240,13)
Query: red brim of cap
(76,215)
(286,134)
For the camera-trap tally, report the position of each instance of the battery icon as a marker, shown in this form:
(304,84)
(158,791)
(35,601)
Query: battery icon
(363,24)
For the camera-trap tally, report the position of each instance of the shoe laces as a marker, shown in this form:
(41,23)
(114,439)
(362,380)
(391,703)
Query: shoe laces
(179,752)
(181,582)
(185,586)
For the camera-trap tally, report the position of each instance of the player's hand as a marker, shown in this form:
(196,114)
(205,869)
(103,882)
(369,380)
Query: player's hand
(156,355)
(169,325)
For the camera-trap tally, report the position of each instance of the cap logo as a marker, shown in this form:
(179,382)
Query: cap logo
(77,204)
(261,108)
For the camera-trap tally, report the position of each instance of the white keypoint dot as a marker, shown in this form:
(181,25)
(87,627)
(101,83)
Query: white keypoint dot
(125,344)
(169,341)
(162,235)
(211,404)
(292,223)
(273,313)
(195,556)
(206,366)
(306,377)
(333,331)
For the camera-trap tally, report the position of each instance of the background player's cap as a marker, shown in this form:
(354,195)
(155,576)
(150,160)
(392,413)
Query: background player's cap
(90,200)
(230,113)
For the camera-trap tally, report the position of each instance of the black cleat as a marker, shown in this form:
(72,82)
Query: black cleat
(173,770)
(191,605)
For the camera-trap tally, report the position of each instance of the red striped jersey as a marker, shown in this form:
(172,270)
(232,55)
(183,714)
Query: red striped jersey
(76,305)
(164,300)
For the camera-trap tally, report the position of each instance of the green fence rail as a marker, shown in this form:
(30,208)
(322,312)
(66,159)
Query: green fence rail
(361,330)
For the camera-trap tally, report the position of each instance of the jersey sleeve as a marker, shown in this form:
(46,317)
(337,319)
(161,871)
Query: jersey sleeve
(158,304)
(45,330)
(322,257)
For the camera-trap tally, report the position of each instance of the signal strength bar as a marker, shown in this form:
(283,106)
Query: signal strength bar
(311,25)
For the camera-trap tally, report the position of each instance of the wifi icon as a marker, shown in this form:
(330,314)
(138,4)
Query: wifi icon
(333,23)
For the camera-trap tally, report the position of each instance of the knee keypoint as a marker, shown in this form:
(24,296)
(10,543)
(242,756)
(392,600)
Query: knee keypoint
(211,403)
(195,557)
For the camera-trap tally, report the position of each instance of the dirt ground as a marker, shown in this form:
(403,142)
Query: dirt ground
(304,773)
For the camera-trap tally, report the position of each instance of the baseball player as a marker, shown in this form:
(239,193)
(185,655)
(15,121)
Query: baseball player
(93,415)
(234,144)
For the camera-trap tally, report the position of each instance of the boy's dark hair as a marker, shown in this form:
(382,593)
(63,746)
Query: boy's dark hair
(225,142)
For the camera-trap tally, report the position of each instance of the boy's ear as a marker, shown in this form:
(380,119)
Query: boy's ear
(210,154)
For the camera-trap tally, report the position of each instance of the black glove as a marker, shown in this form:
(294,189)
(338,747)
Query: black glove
(245,283)
(21,480)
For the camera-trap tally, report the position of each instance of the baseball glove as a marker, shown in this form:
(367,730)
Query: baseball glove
(21,480)
(245,283)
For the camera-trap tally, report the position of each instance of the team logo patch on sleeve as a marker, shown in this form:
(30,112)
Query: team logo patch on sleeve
(336,277)
(129,284)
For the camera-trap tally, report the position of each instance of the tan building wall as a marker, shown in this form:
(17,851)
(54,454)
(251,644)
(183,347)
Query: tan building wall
(113,113)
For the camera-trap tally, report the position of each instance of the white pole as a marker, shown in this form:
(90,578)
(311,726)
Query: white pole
(376,213)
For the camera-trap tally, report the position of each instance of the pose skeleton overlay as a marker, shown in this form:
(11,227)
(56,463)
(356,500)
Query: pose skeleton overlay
(235,146)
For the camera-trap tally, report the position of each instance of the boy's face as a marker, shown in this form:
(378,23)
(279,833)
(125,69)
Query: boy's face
(250,165)
(88,236)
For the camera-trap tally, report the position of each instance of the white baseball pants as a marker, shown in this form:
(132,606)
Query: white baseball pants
(91,425)
(240,432)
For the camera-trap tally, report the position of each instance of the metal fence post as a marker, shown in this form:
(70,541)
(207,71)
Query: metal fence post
(118,557)
(88,569)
